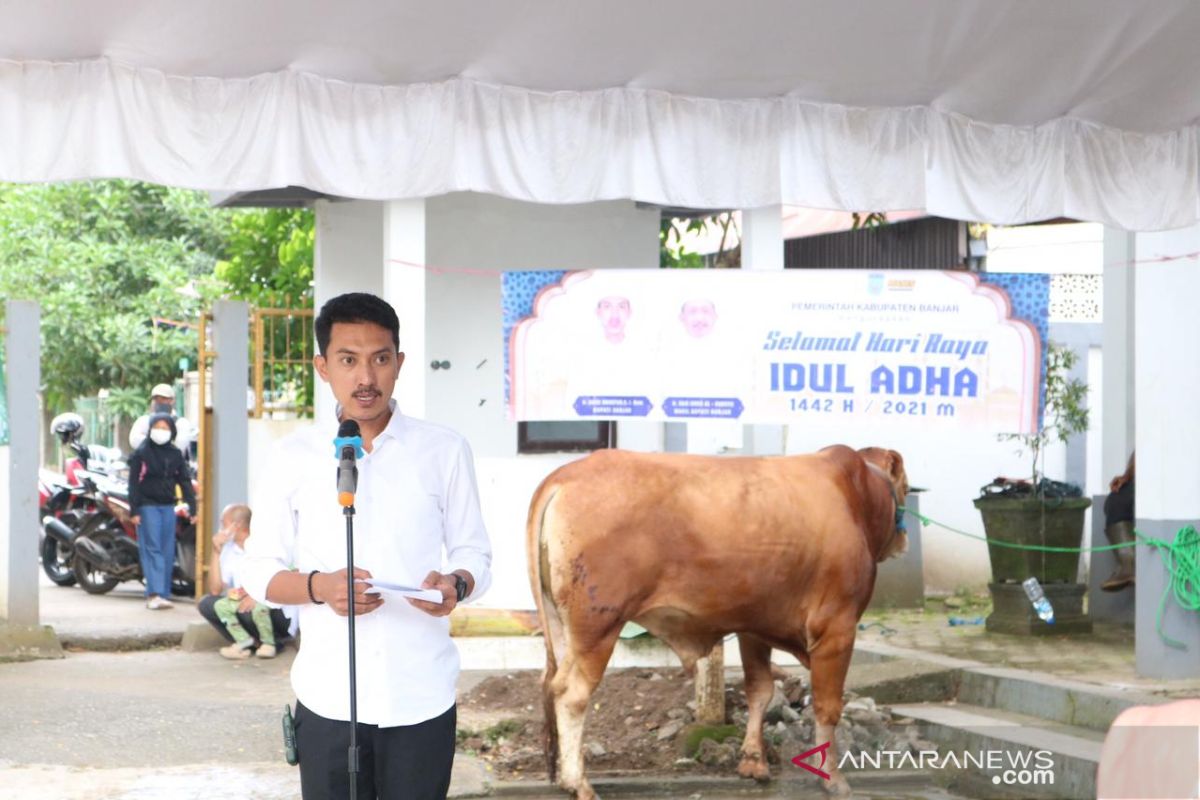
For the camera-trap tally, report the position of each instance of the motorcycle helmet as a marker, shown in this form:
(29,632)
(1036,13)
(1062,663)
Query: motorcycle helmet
(67,427)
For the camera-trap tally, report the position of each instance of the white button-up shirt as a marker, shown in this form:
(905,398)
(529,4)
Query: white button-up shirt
(416,495)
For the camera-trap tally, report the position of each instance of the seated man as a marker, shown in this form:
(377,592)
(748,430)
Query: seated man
(1119,519)
(246,624)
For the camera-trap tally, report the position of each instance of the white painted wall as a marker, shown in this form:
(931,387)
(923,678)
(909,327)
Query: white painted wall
(1167,377)
(469,238)
(467,231)
(261,437)
(1076,248)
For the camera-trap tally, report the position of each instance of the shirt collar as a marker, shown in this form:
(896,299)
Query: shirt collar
(393,428)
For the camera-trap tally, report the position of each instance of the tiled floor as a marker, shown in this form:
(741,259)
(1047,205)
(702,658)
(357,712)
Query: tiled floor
(1105,657)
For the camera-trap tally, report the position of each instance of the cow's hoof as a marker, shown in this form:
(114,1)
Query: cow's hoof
(754,766)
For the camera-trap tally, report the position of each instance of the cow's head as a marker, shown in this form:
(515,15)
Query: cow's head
(891,464)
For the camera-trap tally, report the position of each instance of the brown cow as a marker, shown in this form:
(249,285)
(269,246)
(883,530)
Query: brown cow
(781,551)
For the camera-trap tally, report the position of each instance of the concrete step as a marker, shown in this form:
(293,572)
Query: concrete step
(1012,748)
(1067,702)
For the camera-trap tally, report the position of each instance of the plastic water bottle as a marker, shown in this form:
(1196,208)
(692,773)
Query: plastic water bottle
(956,622)
(1033,590)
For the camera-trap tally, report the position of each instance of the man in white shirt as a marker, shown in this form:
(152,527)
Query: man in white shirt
(162,401)
(416,497)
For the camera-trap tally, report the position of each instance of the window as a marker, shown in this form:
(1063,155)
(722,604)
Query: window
(565,437)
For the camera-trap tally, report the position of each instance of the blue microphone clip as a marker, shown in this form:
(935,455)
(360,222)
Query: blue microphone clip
(347,441)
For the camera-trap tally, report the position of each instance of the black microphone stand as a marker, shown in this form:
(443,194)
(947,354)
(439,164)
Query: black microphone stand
(352,754)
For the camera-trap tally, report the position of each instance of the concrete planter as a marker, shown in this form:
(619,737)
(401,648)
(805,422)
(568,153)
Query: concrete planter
(1028,520)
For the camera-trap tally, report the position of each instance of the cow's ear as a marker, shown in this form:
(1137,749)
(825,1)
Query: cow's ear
(895,464)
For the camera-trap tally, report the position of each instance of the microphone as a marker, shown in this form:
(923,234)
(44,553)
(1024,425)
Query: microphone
(347,448)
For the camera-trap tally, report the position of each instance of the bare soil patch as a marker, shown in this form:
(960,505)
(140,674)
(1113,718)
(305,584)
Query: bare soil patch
(637,723)
(641,722)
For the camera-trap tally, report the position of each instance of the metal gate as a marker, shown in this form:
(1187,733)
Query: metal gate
(281,351)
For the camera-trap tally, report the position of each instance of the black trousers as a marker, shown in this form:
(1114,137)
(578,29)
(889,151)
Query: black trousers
(278,621)
(407,762)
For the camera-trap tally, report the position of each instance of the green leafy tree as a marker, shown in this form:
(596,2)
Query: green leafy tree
(117,266)
(269,262)
(269,257)
(126,403)
(673,253)
(1065,414)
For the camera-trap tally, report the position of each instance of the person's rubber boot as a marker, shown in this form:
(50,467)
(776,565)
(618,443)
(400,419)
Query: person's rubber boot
(1123,575)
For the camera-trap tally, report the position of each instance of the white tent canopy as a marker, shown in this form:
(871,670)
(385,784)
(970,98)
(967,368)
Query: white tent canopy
(997,110)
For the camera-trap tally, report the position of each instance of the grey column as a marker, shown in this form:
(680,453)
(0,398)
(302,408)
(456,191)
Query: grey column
(230,378)
(18,534)
(762,249)
(1117,408)
(1117,403)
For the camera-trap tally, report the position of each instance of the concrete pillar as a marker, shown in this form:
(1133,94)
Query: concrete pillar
(404,286)
(360,245)
(21,634)
(1167,370)
(762,249)
(1118,344)
(347,257)
(18,555)
(1117,409)
(231,429)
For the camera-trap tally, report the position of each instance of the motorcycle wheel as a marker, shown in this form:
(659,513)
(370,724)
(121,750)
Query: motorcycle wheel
(91,579)
(56,562)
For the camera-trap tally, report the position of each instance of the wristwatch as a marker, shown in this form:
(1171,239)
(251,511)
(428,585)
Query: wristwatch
(460,586)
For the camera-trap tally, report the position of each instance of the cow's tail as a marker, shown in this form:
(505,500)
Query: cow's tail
(548,616)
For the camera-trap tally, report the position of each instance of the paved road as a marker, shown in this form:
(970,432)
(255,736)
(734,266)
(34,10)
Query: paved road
(151,724)
(168,724)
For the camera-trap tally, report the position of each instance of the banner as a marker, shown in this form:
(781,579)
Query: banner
(955,350)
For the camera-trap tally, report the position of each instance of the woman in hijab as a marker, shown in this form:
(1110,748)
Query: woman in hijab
(155,469)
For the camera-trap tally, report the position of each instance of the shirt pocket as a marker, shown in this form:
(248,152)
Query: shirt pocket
(321,530)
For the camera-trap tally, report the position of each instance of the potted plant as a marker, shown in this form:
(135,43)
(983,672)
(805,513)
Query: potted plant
(1040,513)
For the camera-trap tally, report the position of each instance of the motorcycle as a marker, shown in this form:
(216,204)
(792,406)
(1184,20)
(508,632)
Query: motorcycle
(67,498)
(106,547)
(70,506)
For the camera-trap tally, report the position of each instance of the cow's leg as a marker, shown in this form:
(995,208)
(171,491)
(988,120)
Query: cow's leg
(572,686)
(756,664)
(830,658)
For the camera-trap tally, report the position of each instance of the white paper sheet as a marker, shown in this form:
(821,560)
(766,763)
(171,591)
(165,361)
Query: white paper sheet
(384,587)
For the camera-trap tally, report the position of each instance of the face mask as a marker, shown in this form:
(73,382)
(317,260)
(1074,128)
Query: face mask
(163,408)
(159,436)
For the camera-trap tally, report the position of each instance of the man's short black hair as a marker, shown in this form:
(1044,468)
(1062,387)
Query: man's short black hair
(355,307)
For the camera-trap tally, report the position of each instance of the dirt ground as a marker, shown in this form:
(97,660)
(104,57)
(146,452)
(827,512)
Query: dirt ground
(500,720)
